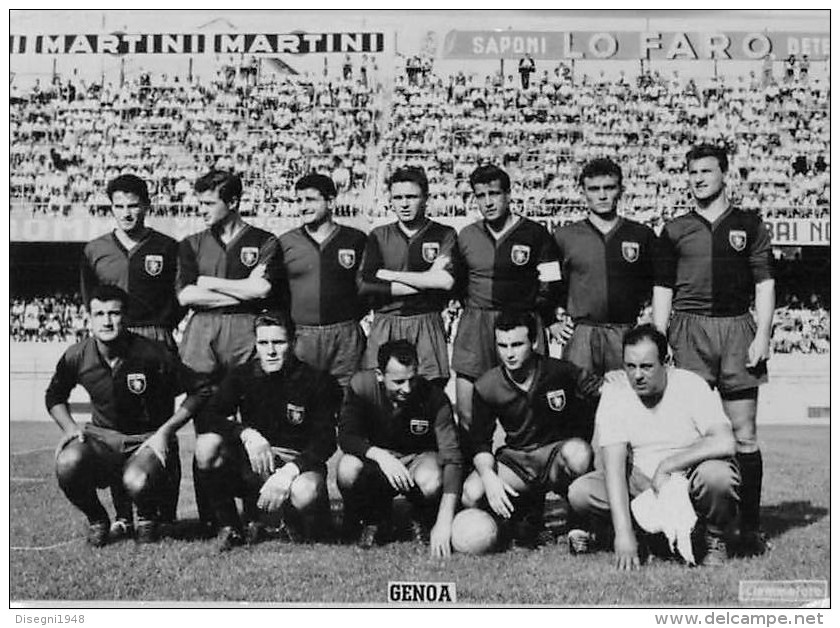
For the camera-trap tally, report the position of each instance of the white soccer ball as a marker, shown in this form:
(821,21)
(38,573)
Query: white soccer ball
(474,531)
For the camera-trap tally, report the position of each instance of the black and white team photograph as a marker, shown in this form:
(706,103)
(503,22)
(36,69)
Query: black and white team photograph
(392,308)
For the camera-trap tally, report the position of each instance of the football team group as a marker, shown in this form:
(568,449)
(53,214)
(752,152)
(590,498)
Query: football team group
(278,373)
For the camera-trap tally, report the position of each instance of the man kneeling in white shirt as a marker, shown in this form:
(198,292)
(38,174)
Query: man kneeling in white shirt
(672,423)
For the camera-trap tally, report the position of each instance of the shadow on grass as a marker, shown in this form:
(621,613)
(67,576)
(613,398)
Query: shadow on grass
(776,519)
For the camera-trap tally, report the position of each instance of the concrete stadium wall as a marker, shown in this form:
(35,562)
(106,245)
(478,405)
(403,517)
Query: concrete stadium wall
(798,391)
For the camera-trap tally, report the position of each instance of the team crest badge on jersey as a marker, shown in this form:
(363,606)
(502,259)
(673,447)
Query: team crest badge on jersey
(419,427)
(556,399)
(738,239)
(630,251)
(294,413)
(136,383)
(520,254)
(347,258)
(249,255)
(430,251)
(154,264)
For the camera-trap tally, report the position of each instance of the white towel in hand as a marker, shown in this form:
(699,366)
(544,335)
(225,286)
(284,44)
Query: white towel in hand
(670,512)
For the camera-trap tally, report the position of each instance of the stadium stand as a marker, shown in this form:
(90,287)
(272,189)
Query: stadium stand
(67,139)
(778,136)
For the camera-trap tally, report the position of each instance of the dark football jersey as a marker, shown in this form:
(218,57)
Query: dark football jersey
(295,408)
(607,278)
(204,253)
(138,395)
(388,247)
(146,273)
(503,274)
(322,277)
(713,267)
(424,423)
(558,406)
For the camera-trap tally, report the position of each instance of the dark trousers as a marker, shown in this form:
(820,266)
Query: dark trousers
(713,489)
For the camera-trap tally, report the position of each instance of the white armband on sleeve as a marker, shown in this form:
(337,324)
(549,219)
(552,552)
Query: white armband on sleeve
(549,271)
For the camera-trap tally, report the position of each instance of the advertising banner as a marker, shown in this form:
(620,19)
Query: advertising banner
(197,43)
(627,45)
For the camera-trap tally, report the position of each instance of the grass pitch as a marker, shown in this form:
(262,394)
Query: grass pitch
(49,559)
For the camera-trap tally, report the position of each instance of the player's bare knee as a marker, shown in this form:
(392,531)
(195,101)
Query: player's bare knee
(348,471)
(135,481)
(70,461)
(209,451)
(577,456)
(578,495)
(473,491)
(305,490)
(746,442)
(429,479)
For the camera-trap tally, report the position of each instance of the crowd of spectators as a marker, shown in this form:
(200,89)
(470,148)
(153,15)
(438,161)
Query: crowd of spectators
(801,329)
(58,318)
(777,134)
(797,327)
(67,138)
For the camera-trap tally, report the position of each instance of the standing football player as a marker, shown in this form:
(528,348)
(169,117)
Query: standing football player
(407,273)
(321,259)
(398,435)
(507,262)
(606,262)
(132,382)
(546,408)
(714,260)
(226,275)
(143,263)
(275,456)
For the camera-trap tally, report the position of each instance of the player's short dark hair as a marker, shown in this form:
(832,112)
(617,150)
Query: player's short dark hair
(511,319)
(130,184)
(701,151)
(107,292)
(647,332)
(320,182)
(275,318)
(411,174)
(601,167)
(229,184)
(401,350)
(487,174)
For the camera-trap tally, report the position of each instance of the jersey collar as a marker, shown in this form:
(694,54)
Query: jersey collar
(330,236)
(609,234)
(717,222)
(538,367)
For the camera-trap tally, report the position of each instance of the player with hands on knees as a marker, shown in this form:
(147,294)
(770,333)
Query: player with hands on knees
(399,437)
(546,408)
(274,454)
(132,382)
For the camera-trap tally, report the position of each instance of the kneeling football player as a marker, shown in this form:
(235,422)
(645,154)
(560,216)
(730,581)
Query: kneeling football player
(398,436)
(132,382)
(546,408)
(274,457)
